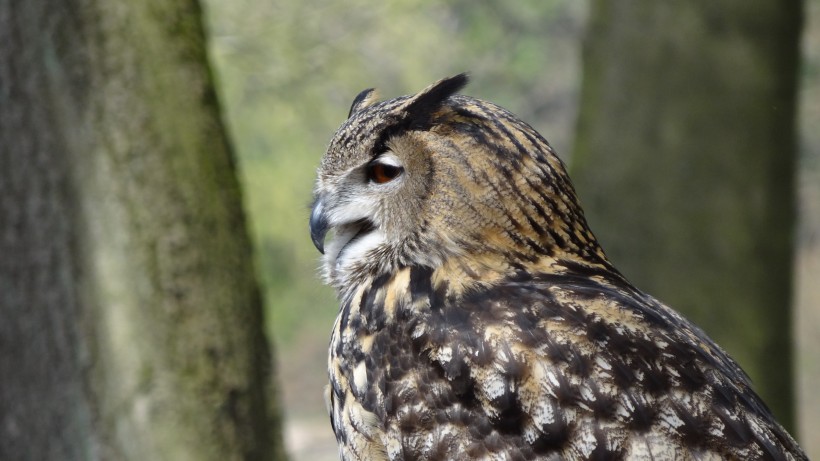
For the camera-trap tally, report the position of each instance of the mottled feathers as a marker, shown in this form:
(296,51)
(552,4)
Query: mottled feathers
(480,318)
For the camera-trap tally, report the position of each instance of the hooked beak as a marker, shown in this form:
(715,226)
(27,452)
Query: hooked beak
(318,225)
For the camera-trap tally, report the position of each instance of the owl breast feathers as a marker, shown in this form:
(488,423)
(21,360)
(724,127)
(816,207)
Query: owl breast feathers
(479,317)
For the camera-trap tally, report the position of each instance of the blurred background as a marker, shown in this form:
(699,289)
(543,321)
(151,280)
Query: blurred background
(134,135)
(287,73)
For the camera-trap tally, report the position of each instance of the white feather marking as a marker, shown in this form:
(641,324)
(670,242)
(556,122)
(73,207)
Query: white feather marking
(672,420)
(502,356)
(543,413)
(587,442)
(356,250)
(587,394)
(338,256)
(552,378)
(389,158)
(493,386)
(360,376)
(393,446)
(531,433)
(445,354)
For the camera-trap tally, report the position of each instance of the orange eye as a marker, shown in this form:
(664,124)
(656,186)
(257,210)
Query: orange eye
(381,173)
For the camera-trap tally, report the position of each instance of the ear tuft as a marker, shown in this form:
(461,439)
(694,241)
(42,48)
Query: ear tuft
(364,99)
(429,99)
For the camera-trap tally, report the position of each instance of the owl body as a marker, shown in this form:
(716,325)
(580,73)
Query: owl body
(479,317)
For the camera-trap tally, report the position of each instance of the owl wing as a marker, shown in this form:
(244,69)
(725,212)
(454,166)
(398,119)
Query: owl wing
(540,367)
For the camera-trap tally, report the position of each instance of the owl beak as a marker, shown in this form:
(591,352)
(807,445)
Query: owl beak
(318,225)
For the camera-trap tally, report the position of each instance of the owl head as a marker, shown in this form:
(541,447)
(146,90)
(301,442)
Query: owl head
(438,178)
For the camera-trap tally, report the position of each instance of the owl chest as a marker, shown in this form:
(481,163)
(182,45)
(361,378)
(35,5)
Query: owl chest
(373,361)
(384,370)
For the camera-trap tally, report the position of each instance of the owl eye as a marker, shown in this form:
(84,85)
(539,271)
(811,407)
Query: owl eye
(381,173)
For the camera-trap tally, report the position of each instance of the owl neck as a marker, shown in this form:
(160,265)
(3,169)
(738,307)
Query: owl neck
(456,276)
(408,294)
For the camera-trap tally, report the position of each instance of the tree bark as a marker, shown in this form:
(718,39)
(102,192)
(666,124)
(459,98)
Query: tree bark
(685,162)
(130,317)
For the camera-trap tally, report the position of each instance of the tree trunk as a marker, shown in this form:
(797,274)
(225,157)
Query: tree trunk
(807,305)
(130,319)
(685,162)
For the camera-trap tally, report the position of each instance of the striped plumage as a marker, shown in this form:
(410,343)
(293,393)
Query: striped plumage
(479,317)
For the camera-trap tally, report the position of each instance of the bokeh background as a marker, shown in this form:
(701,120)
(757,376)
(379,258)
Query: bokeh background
(287,72)
(157,160)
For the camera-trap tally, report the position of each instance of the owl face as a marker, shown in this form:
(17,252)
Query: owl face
(418,180)
(370,194)
(354,204)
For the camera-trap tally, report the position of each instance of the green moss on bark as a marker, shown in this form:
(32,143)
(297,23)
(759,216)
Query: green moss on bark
(175,364)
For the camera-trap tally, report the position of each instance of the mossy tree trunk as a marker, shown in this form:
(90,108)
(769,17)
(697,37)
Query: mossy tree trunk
(685,161)
(130,318)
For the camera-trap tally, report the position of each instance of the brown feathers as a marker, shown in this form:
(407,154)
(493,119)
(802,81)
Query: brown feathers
(481,319)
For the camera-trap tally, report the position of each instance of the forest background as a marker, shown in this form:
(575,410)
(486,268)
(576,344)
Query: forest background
(132,325)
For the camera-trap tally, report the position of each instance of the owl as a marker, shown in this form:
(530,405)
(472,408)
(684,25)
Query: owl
(480,318)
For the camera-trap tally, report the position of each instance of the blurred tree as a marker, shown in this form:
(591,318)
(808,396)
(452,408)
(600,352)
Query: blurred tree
(685,161)
(807,311)
(131,322)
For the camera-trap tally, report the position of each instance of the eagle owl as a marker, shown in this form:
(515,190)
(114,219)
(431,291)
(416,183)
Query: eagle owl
(480,318)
